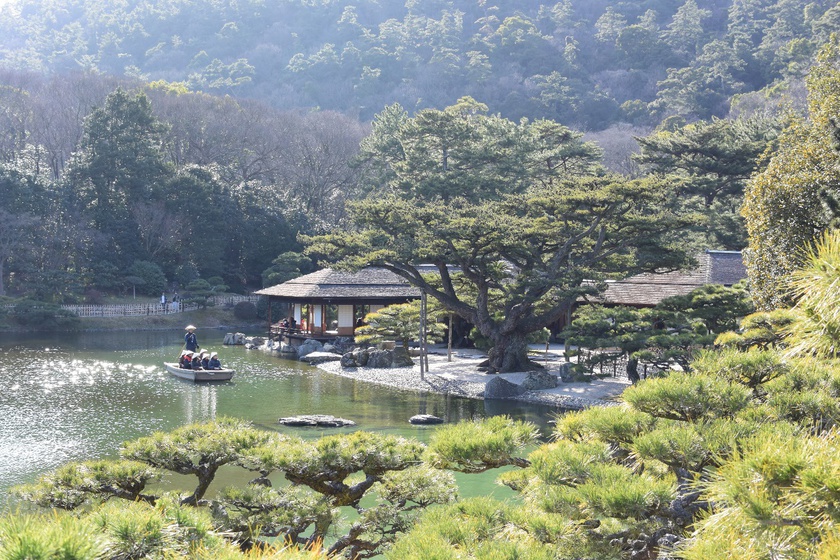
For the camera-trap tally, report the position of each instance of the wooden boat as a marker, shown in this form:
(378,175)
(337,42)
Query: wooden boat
(198,374)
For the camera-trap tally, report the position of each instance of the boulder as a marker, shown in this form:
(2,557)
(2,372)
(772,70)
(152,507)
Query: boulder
(400,358)
(320,420)
(361,357)
(425,419)
(537,380)
(314,358)
(565,373)
(380,359)
(348,361)
(501,388)
(234,339)
(344,344)
(308,346)
(288,350)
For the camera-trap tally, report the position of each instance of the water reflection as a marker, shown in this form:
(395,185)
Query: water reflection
(79,396)
(199,403)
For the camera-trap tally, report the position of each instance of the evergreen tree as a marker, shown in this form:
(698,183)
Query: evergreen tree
(119,165)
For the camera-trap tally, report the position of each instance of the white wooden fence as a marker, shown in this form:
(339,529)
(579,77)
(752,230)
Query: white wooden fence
(140,309)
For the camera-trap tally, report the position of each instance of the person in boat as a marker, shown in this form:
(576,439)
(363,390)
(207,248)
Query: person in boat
(196,361)
(185,361)
(214,361)
(205,359)
(190,340)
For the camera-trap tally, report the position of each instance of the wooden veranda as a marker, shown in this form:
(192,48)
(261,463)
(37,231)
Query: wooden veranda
(328,303)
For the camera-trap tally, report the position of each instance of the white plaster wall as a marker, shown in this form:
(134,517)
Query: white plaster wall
(345,316)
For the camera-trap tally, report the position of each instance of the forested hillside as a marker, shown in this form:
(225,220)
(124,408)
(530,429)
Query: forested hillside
(156,144)
(588,64)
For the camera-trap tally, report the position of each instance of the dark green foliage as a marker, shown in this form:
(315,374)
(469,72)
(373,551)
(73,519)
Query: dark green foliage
(285,267)
(147,277)
(278,309)
(712,162)
(245,310)
(718,307)
(118,168)
(454,174)
(39,315)
(200,291)
(670,333)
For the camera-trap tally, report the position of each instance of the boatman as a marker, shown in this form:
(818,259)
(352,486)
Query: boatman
(190,341)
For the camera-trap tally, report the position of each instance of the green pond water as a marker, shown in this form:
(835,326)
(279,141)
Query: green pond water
(79,396)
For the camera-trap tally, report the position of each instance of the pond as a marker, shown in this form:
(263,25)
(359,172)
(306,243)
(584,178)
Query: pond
(78,396)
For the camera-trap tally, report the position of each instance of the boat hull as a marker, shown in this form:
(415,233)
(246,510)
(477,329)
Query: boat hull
(198,374)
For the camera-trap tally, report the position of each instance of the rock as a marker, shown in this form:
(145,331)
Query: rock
(425,419)
(344,344)
(314,358)
(537,380)
(348,361)
(361,357)
(234,339)
(288,350)
(565,373)
(308,346)
(380,359)
(501,388)
(400,358)
(320,420)
(330,348)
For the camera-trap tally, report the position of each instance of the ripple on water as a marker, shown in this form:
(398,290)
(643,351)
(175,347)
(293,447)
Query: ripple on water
(57,409)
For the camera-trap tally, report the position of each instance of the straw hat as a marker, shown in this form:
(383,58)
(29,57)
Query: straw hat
(189,328)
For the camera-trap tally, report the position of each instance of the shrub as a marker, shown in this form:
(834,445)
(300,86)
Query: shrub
(245,310)
(43,316)
(153,279)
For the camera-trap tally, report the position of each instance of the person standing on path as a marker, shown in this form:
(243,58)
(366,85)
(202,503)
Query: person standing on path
(163,301)
(190,340)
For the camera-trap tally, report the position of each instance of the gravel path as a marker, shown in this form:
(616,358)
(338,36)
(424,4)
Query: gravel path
(460,377)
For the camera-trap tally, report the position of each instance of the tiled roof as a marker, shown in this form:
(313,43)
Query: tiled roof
(715,267)
(368,284)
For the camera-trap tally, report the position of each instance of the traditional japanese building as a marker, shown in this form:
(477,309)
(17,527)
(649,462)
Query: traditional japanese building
(329,303)
(646,290)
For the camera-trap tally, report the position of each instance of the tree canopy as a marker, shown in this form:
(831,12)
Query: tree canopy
(789,203)
(589,65)
(515,265)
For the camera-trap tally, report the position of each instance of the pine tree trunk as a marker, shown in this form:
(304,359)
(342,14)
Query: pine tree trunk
(509,354)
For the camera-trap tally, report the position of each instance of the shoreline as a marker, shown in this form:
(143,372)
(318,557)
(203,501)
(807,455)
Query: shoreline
(461,378)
